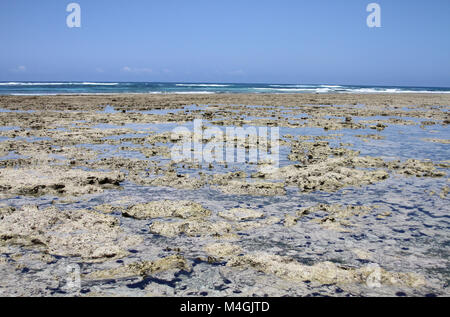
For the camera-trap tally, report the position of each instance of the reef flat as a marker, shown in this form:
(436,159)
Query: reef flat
(92,202)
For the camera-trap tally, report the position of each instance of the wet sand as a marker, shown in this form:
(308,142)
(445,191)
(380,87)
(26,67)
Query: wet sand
(91,203)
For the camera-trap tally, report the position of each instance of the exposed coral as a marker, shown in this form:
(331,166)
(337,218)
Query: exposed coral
(142,269)
(77,233)
(167,208)
(290,221)
(329,175)
(171,179)
(338,217)
(193,228)
(239,214)
(442,141)
(322,272)
(56,181)
(238,187)
(222,250)
(419,169)
(371,136)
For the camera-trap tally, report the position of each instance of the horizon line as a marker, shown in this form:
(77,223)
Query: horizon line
(220,82)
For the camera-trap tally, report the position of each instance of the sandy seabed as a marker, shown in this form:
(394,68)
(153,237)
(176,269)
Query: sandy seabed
(91,203)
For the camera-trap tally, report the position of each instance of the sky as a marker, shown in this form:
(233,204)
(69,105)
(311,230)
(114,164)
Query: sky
(245,41)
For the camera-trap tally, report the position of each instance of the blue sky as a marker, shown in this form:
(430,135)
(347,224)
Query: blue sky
(283,41)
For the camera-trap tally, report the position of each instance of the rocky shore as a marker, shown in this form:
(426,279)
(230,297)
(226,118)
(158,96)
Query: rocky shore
(358,205)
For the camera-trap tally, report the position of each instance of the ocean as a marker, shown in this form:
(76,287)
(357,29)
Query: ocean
(54,88)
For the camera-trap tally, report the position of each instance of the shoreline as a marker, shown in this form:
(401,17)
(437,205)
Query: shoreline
(126,101)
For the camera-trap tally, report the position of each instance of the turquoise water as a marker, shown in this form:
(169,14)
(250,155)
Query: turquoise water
(50,88)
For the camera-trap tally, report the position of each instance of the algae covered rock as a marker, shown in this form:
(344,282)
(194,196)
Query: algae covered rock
(143,268)
(323,272)
(242,187)
(419,169)
(169,179)
(76,233)
(290,220)
(56,181)
(222,250)
(240,214)
(193,228)
(330,176)
(337,217)
(167,208)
